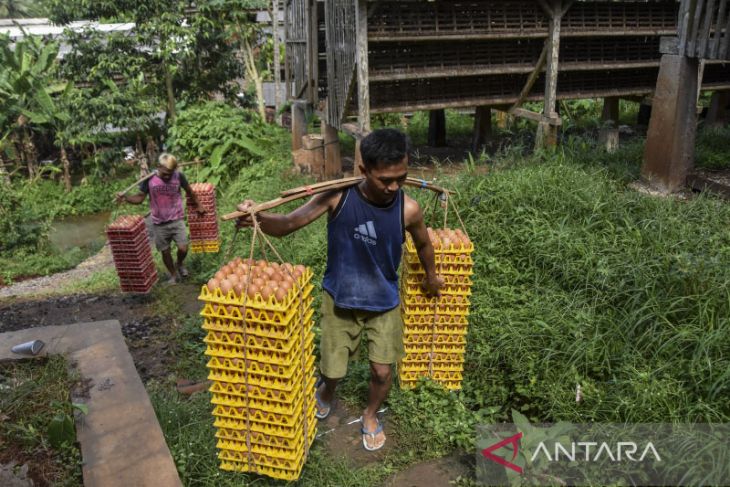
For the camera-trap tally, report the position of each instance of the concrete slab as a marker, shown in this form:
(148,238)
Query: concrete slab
(121,441)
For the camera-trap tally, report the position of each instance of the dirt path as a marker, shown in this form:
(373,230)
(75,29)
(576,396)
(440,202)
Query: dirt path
(48,284)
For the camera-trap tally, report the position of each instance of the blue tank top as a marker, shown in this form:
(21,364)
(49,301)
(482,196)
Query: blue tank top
(364,244)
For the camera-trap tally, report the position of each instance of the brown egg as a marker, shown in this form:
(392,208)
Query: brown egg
(238,289)
(288,267)
(276,277)
(226,286)
(300,268)
(220,275)
(233,279)
(252,290)
(280,294)
(266,292)
(275,265)
(274,285)
(436,244)
(269,271)
(446,243)
(261,263)
(260,282)
(213,284)
(245,268)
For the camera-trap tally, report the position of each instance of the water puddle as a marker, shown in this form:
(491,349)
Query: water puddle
(81,231)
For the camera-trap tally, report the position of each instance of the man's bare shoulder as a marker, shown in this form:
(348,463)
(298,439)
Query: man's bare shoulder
(411,210)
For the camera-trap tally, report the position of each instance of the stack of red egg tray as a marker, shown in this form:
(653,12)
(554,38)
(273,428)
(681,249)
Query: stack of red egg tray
(132,254)
(204,236)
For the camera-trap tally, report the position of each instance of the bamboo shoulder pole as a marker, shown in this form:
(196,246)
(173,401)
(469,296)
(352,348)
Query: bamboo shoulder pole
(323,187)
(145,178)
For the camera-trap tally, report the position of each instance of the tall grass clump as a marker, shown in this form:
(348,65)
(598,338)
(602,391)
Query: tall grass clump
(581,281)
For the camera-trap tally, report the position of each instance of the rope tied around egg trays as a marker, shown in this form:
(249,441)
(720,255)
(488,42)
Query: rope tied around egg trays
(257,232)
(445,200)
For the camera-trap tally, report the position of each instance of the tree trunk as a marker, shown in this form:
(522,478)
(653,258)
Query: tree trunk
(153,152)
(277,62)
(144,168)
(66,169)
(170,92)
(29,153)
(4,176)
(252,75)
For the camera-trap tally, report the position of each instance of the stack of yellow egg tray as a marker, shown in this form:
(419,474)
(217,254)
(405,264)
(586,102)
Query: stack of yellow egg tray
(261,367)
(434,329)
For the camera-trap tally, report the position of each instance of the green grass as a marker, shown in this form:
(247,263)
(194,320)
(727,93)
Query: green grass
(33,393)
(712,148)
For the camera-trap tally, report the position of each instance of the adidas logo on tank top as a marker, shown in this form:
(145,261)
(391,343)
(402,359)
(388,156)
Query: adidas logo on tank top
(366,233)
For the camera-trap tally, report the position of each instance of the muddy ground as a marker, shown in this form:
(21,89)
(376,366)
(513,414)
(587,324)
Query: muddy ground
(145,326)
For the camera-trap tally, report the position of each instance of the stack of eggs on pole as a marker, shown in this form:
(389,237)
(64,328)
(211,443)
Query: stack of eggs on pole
(130,245)
(204,235)
(435,328)
(260,341)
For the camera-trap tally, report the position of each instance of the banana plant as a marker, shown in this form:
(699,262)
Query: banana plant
(27,85)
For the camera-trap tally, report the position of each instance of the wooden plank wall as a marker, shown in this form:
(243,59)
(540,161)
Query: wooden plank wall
(340,20)
(704,29)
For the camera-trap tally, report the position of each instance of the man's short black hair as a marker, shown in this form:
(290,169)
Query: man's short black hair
(384,146)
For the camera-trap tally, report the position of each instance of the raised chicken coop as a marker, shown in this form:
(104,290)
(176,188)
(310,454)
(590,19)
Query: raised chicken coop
(348,59)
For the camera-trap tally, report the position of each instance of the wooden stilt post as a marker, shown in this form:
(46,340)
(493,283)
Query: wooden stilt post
(717,113)
(298,123)
(332,156)
(669,150)
(363,81)
(608,135)
(482,128)
(547,132)
(437,128)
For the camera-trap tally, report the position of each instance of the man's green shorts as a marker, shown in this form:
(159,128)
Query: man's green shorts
(342,330)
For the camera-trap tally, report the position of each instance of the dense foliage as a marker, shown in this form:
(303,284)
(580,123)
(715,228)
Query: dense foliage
(226,138)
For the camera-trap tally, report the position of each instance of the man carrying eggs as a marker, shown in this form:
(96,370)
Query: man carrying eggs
(365,232)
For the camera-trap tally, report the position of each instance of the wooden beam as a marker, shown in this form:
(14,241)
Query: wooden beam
(532,78)
(361,57)
(546,132)
(482,128)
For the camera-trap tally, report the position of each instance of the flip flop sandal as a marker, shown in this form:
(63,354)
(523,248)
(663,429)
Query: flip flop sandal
(321,405)
(371,434)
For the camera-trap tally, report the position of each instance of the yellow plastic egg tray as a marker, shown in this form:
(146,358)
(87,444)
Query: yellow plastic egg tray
(438,339)
(237,379)
(251,341)
(443,301)
(230,312)
(231,420)
(452,249)
(229,462)
(441,319)
(260,460)
(448,269)
(271,304)
(437,375)
(207,246)
(261,386)
(416,289)
(276,358)
(262,438)
(463,260)
(261,368)
(436,366)
(449,385)
(438,330)
(428,309)
(222,396)
(257,328)
(437,357)
(436,348)
(293,452)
